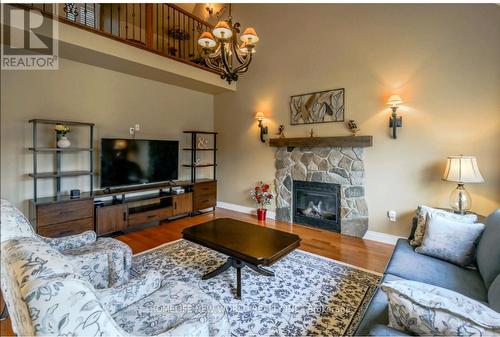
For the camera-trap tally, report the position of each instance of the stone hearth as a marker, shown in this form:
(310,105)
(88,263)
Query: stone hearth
(343,166)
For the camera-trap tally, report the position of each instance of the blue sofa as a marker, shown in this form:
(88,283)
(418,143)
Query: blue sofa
(481,284)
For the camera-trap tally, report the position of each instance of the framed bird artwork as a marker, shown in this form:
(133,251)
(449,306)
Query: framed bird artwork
(317,107)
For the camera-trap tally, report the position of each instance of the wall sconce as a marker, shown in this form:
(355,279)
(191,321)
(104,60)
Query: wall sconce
(263,129)
(209,8)
(395,121)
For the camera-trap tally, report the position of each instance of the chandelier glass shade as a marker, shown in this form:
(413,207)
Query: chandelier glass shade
(223,52)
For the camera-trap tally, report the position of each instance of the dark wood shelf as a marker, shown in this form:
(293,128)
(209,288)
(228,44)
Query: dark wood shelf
(139,188)
(146,197)
(56,149)
(190,149)
(202,165)
(50,121)
(117,191)
(61,174)
(60,199)
(341,141)
(146,187)
(146,208)
(202,132)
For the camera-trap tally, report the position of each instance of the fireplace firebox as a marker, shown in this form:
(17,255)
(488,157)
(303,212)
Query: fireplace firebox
(317,204)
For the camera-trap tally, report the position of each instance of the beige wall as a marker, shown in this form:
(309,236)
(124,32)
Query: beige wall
(112,100)
(444,60)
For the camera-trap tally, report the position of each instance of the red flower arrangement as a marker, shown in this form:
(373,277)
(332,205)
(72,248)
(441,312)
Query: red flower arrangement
(262,195)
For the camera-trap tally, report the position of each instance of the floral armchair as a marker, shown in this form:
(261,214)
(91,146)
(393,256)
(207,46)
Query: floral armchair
(45,295)
(104,262)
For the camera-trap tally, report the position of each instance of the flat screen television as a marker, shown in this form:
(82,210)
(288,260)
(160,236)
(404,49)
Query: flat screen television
(138,161)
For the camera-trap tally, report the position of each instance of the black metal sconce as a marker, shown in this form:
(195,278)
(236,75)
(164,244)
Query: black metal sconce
(263,129)
(209,9)
(395,121)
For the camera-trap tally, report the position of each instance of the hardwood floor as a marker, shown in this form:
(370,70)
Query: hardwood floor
(366,254)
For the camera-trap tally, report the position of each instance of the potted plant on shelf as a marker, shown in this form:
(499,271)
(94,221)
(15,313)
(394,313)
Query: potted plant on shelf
(61,131)
(262,196)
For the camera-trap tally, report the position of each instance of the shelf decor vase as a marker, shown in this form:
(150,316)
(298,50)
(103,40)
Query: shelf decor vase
(63,142)
(261,214)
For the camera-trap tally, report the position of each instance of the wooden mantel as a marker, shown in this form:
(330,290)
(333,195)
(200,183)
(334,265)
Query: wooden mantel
(342,141)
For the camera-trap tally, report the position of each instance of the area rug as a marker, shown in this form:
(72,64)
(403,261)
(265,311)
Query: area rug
(309,295)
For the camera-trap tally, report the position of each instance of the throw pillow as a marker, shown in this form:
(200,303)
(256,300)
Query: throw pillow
(449,240)
(424,309)
(422,212)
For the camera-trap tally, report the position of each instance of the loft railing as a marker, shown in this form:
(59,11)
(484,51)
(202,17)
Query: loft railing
(161,28)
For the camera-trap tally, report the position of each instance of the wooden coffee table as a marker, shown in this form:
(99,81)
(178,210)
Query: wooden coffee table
(246,244)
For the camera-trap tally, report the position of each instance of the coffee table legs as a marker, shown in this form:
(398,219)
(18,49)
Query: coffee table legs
(260,270)
(218,271)
(238,264)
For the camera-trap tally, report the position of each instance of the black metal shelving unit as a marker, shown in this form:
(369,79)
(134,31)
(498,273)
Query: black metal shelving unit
(59,174)
(193,149)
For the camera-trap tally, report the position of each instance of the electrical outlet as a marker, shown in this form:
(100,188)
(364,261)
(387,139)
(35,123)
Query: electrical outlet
(131,131)
(137,127)
(392,215)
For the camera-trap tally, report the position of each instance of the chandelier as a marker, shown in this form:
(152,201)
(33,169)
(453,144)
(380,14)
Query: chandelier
(222,51)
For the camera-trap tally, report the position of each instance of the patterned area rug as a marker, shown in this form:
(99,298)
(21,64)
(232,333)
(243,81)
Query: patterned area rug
(310,295)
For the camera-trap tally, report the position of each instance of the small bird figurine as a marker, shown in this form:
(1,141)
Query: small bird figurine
(281,131)
(352,126)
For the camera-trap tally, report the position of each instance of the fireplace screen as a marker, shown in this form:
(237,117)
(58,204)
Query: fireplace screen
(317,204)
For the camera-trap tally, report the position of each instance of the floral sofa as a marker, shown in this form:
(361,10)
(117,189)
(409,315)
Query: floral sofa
(104,262)
(47,295)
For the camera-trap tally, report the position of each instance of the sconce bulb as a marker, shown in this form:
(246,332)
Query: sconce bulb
(394,100)
(259,116)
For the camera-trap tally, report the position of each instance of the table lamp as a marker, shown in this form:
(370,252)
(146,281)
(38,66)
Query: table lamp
(462,169)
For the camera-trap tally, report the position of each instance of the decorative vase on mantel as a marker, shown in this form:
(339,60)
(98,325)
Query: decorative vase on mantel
(261,214)
(63,142)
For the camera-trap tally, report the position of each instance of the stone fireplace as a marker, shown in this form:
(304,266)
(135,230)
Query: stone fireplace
(339,172)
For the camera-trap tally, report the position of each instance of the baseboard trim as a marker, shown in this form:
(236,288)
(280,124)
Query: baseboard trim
(370,235)
(243,209)
(381,237)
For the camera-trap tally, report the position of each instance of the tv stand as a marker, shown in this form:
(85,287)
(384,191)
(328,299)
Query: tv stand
(128,212)
(120,209)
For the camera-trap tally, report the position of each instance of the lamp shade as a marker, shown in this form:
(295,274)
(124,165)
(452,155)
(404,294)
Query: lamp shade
(259,116)
(249,36)
(394,100)
(222,30)
(207,40)
(462,169)
(244,48)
